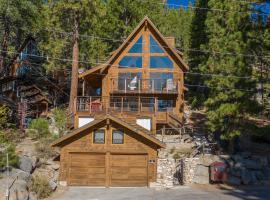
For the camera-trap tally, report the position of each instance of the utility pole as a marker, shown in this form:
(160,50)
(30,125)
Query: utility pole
(75,64)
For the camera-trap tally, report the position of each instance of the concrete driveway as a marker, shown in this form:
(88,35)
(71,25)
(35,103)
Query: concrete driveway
(178,193)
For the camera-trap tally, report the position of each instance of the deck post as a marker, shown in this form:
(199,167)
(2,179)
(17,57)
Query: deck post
(90,105)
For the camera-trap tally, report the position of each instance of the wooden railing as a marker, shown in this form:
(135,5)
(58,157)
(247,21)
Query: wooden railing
(144,85)
(95,104)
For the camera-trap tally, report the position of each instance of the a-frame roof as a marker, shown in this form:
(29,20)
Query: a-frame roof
(139,131)
(145,22)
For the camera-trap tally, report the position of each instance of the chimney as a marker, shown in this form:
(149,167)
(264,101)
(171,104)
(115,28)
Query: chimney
(171,41)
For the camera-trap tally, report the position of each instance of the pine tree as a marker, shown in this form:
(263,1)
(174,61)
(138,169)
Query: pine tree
(229,101)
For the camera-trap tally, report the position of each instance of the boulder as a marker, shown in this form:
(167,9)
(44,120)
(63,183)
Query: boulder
(53,185)
(252,164)
(236,172)
(201,170)
(201,179)
(35,161)
(259,175)
(266,173)
(33,196)
(232,180)
(254,179)
(246,177)
(263,160)
(201,175)
(19,191)
(55,166)
(25,164)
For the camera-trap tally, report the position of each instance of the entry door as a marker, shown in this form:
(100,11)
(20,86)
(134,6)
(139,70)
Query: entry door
(87,169)
(128,170)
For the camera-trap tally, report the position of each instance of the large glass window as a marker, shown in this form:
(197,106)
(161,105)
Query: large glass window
(161,82)
(165,105)
(154,46)
(117,137)
(131,61)
(99,136)
(160,62)
(129,81)
(137,47)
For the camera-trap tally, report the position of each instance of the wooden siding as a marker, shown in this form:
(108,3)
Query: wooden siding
(135,147)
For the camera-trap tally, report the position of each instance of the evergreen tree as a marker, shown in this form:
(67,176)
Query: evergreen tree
(229,101)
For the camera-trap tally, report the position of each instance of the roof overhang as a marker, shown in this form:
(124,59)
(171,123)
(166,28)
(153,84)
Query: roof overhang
(145,134)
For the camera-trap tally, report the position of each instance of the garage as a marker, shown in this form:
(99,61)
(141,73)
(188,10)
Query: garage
(89,169)
(108,152)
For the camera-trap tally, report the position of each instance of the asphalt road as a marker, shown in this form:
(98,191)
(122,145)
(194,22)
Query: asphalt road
(178,193)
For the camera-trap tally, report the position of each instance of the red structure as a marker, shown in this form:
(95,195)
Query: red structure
(218,172)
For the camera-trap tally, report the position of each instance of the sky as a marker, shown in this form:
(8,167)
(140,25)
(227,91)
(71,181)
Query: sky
(178,3)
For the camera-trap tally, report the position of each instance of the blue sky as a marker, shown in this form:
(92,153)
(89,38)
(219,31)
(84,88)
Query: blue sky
(178,3)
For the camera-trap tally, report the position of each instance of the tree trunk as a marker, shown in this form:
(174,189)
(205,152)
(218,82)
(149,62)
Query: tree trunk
(75,57)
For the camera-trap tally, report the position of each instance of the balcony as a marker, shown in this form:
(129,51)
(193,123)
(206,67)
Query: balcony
(97,104)
(145,86)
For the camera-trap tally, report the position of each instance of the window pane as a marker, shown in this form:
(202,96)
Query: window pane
(161,81)
(160,62)
(131,61)
(165,105)
(154,46)
(129,81)
(118,137)
(99,136)
(137,47)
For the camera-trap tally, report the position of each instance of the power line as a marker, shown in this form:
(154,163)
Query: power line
(205,8)
(165,47)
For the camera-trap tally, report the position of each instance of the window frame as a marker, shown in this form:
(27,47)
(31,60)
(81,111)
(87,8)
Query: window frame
(123,133)
(104,134)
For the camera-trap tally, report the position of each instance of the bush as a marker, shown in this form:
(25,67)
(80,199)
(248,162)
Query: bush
(61,120)
(4,116)
(40,185)
(44,149)
(39,128)
(5,143)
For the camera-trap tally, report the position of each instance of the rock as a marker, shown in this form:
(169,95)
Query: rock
(266,173)
(201,170)
(246,177)
(263,160)
(236,172)
(237,158)
(26,164)
(19,191)
(201,179)
(55,166)
(232,180)
(33,196)
(201,175)
(35,161)
(254,179)
(251,164)
(53,185)
(259,175)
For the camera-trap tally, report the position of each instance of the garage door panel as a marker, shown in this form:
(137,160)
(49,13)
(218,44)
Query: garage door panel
(128,170)
(87,170)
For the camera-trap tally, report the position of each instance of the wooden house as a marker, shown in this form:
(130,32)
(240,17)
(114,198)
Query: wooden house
(18,89)
(124,104)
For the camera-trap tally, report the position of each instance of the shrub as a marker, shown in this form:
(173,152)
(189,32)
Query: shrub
(5,143)
(61,120)
(40,185)
(4,116)
(39,128)
(44,149)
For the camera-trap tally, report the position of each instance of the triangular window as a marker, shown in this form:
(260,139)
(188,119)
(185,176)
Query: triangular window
(137,47)
(154,46)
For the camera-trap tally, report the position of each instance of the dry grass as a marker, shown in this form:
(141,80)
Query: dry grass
(40,186)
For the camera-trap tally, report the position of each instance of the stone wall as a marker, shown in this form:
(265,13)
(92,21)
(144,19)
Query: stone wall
(188,170)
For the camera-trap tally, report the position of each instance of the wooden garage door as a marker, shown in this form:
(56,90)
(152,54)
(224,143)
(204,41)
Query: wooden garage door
(128,170)
(87,169)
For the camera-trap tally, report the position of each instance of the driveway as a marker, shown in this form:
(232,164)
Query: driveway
(178,193)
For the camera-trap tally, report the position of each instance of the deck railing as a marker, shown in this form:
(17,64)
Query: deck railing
(95,104)
(144,85)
